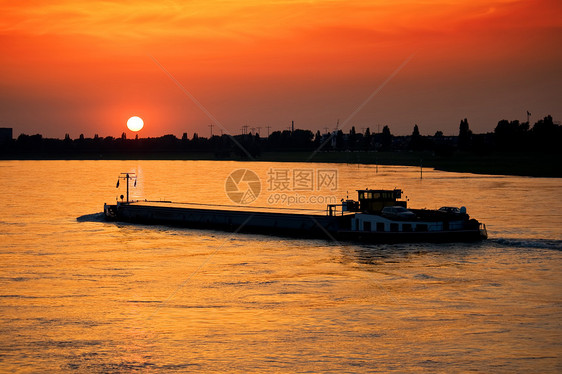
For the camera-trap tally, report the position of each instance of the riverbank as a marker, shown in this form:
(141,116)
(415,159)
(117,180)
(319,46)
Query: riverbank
(512,163)
(520,164)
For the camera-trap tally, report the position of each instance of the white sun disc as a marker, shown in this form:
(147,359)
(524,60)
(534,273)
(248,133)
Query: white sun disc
(135,123)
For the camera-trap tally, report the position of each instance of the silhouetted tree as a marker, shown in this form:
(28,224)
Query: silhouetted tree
(416,139)
(31,143)
(301,139)
(339,140)
(465,135)
(317,139)
(352,138)
(546,135)
(386,139)
(441,146)
(511,135)
(367,139)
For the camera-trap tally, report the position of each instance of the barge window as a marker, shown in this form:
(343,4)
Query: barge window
(393,227)
(366,226)
(407,227)
(356,223)
(421,227)
(380,226)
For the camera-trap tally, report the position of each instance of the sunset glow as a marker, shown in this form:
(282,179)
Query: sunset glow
(81,66)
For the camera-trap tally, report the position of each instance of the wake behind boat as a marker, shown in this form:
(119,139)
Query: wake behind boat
(377,216)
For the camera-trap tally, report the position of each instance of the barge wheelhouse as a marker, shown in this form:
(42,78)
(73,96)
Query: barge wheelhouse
(381,215)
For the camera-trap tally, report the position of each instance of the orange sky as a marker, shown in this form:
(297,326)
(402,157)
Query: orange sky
(85,67)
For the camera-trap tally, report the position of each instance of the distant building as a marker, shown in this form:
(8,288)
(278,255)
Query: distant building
(6,134)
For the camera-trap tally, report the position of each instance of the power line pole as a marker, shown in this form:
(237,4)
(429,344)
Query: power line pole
(211,126)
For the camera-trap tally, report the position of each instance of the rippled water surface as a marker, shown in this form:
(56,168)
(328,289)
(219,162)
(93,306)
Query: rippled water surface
(78,294)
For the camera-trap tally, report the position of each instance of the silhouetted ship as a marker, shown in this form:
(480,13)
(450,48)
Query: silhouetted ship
(379,216)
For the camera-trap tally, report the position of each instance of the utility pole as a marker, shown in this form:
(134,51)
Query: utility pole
(259,129)
(268,127)
(211,126)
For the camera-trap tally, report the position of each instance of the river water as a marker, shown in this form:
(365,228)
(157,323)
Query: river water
(78,294)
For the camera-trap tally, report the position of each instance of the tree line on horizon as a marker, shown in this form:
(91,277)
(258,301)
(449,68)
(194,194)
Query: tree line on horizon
(508,136)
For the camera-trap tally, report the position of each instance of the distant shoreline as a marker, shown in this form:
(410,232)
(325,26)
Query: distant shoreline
(510,163)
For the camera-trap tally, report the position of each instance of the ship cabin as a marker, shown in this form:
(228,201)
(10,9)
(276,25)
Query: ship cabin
(373,201)
(369,201)
(384,211)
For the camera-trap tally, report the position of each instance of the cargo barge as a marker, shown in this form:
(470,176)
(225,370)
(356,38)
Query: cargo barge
(378,216)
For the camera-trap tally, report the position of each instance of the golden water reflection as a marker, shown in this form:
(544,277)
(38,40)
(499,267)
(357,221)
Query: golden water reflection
(90,296)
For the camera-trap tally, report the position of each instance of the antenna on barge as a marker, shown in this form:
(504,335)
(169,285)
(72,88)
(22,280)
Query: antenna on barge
(127,177)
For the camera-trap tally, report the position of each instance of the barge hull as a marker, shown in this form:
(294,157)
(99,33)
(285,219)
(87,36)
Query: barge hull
(452,236)
(271,223)
(275,223)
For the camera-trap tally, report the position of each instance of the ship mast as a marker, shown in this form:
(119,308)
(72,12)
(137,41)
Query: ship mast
(127,177)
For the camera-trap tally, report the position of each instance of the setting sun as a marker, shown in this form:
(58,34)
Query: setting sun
(135,123)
